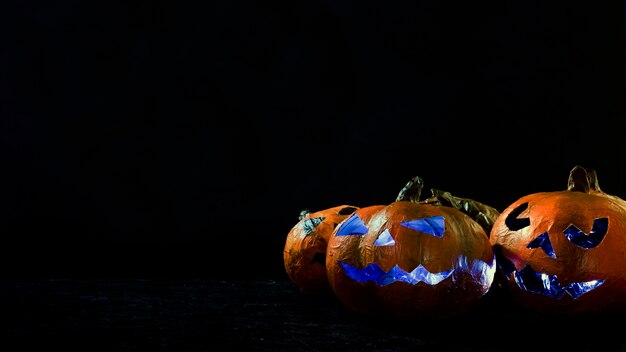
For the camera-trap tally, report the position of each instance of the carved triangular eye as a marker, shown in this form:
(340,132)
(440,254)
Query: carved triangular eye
(385,239)
(434,225)
(543,241)
(352,226)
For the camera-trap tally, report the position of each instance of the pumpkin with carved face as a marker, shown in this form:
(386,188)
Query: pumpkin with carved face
(564,251)
(409,258)
(304,254)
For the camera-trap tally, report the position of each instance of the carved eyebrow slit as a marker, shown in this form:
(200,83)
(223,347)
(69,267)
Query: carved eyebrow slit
(513,222)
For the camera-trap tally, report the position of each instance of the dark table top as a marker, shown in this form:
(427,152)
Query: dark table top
(208,314)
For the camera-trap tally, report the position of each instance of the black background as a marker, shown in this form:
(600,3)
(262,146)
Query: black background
(154,138)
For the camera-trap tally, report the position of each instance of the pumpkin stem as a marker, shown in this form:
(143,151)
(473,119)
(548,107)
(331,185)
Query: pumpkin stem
(412,191)
(582,180)
(593,180)
(483,214)
(303,214)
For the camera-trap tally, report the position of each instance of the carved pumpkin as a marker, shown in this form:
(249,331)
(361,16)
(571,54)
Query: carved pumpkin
(564,251)
(304,254)
(411,258)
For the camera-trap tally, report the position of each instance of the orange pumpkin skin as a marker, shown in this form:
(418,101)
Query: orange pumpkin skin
(463,237)
(600,264)
(304,253)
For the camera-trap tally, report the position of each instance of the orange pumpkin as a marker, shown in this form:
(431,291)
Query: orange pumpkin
(410,258)
(564,251)
(304,254)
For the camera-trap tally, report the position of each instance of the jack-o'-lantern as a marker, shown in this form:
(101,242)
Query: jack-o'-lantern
(412,257)
(304,254)
(564,251)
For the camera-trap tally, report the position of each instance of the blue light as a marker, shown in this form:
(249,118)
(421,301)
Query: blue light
(434,225)
(543,241)
(384,239)
(482,273)
(581,239)
(374,273)
(529,280)
(577,289)
(352,226)
(505,265)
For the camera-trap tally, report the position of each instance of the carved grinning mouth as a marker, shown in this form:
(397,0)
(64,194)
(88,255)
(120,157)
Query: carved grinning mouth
(374,273)
(530,280)
(481,271)
(533,281)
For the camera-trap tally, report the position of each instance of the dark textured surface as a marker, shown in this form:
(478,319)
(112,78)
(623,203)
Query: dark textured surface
(264,315)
